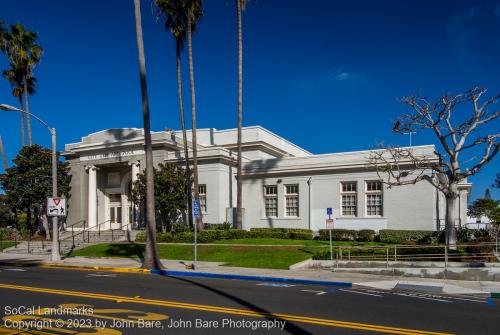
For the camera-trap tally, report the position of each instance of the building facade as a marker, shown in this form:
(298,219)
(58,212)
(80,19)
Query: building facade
(284,186)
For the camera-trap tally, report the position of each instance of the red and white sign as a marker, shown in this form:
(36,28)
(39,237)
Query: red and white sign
(56,207)
(329,223)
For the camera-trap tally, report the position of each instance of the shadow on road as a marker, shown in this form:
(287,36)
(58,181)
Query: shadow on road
(289,326)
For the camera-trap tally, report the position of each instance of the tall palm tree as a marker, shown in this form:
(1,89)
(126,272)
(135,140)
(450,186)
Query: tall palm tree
(194,14)
(15,77)
(175,12)
(151,260)
(22,50)
(240,6)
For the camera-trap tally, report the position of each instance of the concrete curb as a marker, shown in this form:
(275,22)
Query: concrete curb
(174,273)
(94,268)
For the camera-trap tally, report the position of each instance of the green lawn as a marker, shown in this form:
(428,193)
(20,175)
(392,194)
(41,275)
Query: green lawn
(309,243)
(280,257)
(6,244)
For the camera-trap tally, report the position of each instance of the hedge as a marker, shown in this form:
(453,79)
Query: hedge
(211,235)
(405,236)
(365,235)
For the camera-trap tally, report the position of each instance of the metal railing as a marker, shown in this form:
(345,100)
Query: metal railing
(475,252)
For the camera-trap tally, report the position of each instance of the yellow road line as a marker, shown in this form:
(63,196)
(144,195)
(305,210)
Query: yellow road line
(233,311)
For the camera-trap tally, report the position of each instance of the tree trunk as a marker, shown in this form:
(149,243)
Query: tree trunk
(28,116)
(4,156)
(239,193)
(199,221)
(45,223)
(452,200)
(21,115)
(151,260)
(184,136)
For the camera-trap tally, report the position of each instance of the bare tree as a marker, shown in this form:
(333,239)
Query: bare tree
(458,133)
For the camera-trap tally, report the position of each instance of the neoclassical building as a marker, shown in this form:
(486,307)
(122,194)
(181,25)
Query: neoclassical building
(284,185)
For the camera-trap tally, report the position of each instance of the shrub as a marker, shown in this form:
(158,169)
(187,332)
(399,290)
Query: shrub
(338,235)
(478,233)
(480,249)
(184,237)
(300,235)
(180,227)
(366,235)
(218,226)
(165,237)
(464,235)
(286,233)
(404,236)
(140,237)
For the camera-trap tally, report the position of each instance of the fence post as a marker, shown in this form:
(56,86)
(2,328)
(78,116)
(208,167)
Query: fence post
(387,257)
(112,235)
(395,255)
(73,236)
(15,240)
(349,253)
(29,240)
(337,258)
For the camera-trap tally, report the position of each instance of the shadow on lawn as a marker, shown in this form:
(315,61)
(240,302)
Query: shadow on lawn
(289,326)
(126,250)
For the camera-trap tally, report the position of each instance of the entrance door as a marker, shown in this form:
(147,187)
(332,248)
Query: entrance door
(115,211)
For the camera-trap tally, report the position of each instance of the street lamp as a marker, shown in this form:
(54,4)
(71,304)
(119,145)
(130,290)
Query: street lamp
(55,229)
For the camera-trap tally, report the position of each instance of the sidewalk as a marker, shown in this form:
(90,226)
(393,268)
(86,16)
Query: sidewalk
(217,269)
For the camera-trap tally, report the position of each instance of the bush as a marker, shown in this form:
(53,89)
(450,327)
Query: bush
(366,235)
(480,249)
(218,226)
(338,235)
(166,237)
(140,237)
(464,235)
(285,233)
(404,236)
(479,233)
(180,227)
(184,237)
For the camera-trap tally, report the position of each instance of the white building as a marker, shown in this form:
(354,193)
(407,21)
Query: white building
(283,185)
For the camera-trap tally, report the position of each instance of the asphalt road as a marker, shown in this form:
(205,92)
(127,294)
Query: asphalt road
(119,303)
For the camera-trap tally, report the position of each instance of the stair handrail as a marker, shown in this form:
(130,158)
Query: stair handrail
(73,234)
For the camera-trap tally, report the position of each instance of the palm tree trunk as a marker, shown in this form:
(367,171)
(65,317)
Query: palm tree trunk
(239,193)
(21,115)
(184,136)
(4,156)
(151,260)
(199,221)
(28,119)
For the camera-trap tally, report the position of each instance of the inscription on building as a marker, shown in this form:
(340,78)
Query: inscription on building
(112,154)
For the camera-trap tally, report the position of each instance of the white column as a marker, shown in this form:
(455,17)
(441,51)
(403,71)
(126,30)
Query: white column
(124,204)
(92,203)
(135,172)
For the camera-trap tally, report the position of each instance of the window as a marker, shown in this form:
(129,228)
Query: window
(374,198)
(292,200)
(202,194)
(271,200)
(349,199)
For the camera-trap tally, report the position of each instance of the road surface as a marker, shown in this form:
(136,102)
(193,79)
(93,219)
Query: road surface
(61,301)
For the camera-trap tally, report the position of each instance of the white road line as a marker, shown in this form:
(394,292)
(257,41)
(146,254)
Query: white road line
(351,291)
(100,275)
(275,285)
(317,292)
(419,297)
(22,270)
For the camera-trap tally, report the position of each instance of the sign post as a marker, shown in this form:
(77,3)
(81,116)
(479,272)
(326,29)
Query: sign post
(329,226)
(196,212)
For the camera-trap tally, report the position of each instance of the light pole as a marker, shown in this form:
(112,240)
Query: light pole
(55,229)
(410,133)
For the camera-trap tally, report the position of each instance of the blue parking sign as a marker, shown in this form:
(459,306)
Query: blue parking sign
(329,211)
(196,208)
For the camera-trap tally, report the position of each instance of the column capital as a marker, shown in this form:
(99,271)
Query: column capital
(91,167)
(136,163)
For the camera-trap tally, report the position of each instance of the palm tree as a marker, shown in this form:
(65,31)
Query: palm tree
(22,51)
(240,6)
(151,260)
(175,12)
(194,14)
(15,77)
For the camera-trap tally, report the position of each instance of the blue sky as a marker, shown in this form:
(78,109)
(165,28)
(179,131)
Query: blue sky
(327,75)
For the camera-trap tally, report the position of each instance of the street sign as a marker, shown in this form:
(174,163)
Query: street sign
(196,208)
(329,223)
(329,211)
(56,207)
